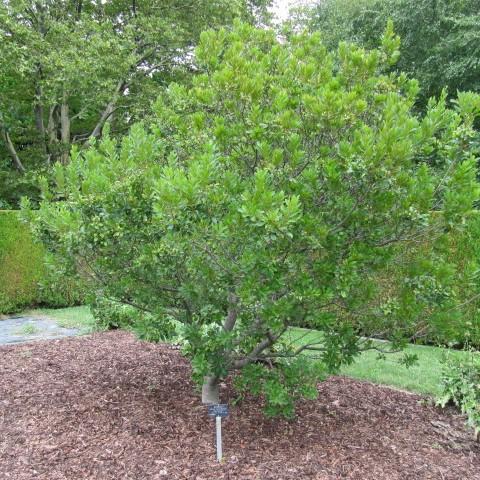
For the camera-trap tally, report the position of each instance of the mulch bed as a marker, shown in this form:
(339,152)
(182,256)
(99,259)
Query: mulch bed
(107,406)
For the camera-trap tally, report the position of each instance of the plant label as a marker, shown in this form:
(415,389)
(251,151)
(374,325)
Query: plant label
(218,410)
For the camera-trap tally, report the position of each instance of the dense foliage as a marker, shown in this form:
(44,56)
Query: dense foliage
(463,325)
(30,276)
(278,187)
(440,46)
(461,386)
(69,67)
(456,325)
(440,38)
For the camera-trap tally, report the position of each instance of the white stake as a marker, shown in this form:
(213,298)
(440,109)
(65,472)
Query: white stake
(218,423)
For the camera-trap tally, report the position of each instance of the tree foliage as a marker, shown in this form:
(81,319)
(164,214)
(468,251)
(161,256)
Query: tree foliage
(440,38)
(275,188)
(69,67)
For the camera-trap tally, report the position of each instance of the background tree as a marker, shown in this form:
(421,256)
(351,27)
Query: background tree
(440,39)
(69,67)
(275,189)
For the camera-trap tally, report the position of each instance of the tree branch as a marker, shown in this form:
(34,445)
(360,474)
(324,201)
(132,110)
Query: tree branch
(109,109)
(232,312)
(11,149)
(254,354)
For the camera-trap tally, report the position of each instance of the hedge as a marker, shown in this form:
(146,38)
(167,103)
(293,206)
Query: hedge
(29,276)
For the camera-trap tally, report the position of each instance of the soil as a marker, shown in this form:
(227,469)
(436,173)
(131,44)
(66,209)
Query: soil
(107,406)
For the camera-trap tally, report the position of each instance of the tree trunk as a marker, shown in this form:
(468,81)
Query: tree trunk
(39,122)
(51,127)
(119,90)
(12,151)
(79,9)
(38,109)
(38,105)
(65,131)
(210,390)
(52,132)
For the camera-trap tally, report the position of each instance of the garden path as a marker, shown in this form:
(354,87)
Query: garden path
(21,329)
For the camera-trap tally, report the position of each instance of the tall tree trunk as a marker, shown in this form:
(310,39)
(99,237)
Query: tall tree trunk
(39,123)
(52,125)
(65,130)
(39,118)
(38,104)
(11,150)
(52,132)
(211,390)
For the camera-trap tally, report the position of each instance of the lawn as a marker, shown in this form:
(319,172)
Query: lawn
(423,377)
(72,317)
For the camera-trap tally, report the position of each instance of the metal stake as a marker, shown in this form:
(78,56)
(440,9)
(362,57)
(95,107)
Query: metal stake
(218,423)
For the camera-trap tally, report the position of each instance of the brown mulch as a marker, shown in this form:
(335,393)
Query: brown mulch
(107,406)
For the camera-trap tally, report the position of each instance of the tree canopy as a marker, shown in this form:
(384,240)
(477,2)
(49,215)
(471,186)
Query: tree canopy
(440,39)
(277,187)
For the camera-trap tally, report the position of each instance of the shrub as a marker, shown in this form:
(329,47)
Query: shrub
(464,252)
(461,386)
(431,273)
(276,188)
(110,315)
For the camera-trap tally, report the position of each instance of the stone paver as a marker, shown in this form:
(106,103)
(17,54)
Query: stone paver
(23,329)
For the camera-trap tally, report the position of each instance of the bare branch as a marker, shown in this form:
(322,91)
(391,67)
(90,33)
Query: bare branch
(255,353)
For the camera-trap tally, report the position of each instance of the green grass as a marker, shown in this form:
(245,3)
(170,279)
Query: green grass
(27,329)
(73,317)
(423,377)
